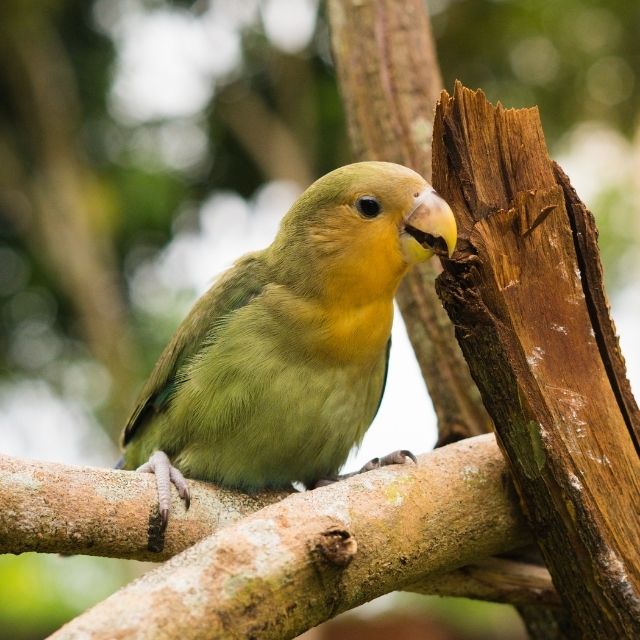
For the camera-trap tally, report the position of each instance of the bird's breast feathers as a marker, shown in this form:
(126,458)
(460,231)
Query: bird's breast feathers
(268,375)
(335,331)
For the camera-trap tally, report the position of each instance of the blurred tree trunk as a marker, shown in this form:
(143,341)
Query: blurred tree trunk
(389,80)
(264,135)
(60,187)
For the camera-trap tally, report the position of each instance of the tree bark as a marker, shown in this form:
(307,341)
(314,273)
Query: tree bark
(104,512)
(389,80)
(313,555)
(525,293)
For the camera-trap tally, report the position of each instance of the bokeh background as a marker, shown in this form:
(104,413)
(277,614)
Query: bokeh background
(144,144)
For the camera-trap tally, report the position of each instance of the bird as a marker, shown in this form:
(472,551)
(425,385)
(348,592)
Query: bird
(279,368)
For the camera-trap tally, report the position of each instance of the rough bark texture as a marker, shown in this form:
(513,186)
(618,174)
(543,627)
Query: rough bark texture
(297,563)
(81,510)
(104,512)
(389,79)
(525,293)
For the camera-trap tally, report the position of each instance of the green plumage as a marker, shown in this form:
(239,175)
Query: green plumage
(238,399)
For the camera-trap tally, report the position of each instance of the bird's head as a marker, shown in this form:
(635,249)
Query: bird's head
(360,227)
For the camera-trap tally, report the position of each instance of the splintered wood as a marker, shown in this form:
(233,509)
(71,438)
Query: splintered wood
(524,291)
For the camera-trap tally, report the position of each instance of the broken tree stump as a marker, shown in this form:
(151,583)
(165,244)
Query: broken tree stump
(525,293)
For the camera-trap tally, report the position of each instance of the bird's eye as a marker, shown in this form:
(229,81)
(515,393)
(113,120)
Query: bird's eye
(368,206)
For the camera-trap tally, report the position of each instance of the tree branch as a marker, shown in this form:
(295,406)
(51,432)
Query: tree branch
(313,555)
(389,79)
(104,512)
(82,510)
(495,580)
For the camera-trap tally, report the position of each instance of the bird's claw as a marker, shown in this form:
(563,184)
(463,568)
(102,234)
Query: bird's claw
(324,482)
(181,485)
(160,465)
(374,463)
(395,457)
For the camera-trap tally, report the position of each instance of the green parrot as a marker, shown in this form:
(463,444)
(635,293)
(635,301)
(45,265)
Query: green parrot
(280,367)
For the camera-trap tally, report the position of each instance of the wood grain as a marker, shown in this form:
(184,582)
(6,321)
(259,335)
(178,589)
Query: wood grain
(525,294)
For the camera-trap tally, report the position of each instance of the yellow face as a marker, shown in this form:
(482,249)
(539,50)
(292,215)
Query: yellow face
(361,226)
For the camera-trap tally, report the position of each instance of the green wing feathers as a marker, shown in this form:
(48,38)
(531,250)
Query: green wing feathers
(232,291)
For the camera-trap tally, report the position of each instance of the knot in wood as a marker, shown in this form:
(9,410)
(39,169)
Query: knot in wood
(336,546)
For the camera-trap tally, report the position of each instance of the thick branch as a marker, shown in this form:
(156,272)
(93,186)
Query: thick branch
(315,554)
(104,512)
(389,79)
(525,293)
(82,510)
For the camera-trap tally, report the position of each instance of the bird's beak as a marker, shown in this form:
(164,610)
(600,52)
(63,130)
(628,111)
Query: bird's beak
(429,228)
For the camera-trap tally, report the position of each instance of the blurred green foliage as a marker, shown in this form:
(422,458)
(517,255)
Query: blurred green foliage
(133,187)
(576,59)
(39,593)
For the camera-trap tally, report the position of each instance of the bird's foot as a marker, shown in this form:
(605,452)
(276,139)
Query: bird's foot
(401,456)
(160,465)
